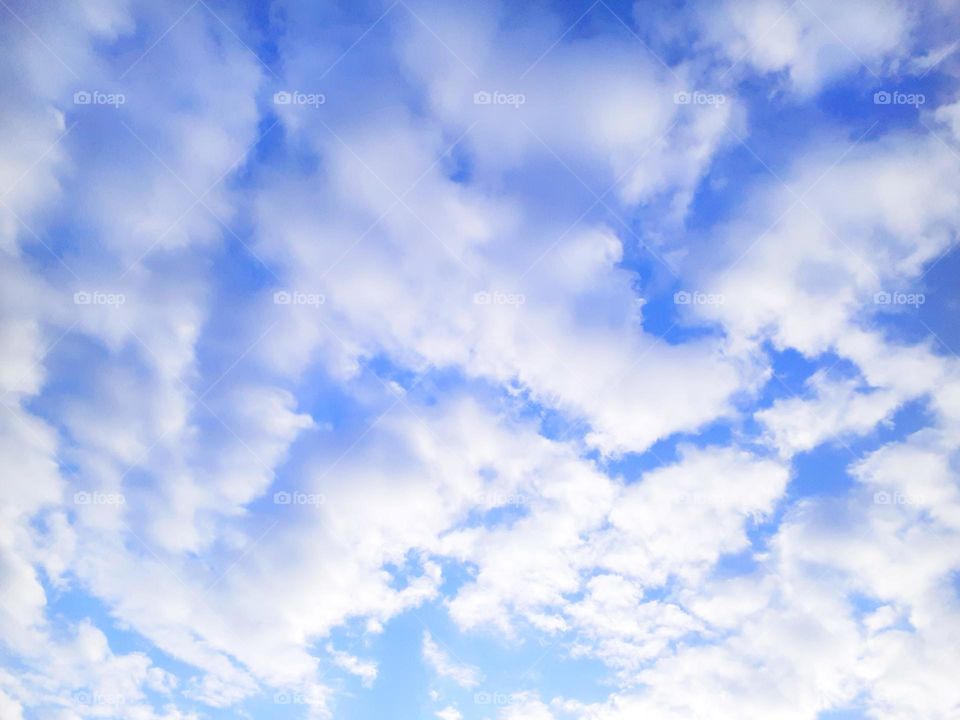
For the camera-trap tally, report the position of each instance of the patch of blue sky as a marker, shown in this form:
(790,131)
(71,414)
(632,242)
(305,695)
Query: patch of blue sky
(856,713)
(532,661)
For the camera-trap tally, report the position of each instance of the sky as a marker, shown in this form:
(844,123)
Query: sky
(480,361)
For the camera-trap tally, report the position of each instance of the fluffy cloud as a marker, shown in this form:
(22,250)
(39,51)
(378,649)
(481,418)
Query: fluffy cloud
(810,42)
(277,373)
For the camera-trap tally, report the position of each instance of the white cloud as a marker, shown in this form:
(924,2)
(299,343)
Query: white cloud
(812,42)
(364,669)
(838,407)
(475,277)
(445,666)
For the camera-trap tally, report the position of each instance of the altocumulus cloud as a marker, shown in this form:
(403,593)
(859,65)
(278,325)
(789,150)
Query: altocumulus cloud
(479,360)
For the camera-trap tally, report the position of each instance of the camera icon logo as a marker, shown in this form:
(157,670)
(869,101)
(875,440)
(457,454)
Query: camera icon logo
(682,297)
(482,98)
(882,97)
(282,98)
(82,97)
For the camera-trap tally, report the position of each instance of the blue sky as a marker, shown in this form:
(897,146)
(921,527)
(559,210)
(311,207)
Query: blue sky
(492,361)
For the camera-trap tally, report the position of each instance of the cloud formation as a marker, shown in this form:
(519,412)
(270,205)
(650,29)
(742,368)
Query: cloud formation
(614,346)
